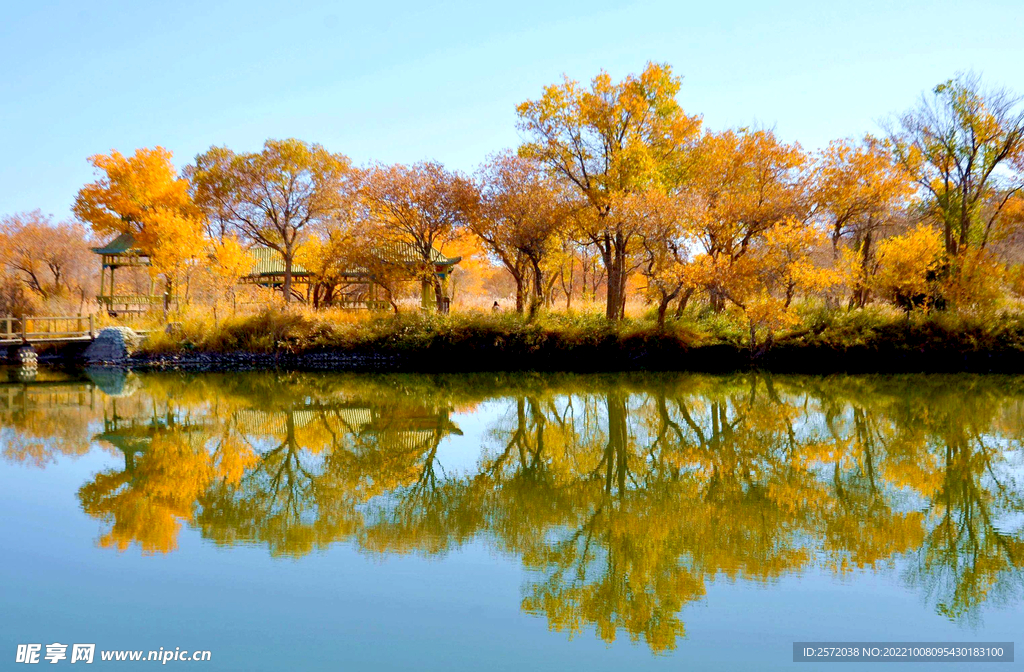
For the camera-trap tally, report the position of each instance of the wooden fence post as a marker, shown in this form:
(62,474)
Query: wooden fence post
(92,327)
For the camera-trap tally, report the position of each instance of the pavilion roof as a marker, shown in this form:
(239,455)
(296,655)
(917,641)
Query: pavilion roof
(405,253)
(268,261)
(119,245)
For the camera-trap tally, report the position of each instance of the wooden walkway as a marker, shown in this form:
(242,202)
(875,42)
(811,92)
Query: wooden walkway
(29,330)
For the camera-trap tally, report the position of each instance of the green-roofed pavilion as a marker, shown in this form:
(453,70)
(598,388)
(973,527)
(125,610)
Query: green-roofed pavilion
(359,288)
(121,252)
(268,271)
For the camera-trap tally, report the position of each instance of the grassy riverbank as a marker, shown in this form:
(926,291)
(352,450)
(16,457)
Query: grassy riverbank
(824,342)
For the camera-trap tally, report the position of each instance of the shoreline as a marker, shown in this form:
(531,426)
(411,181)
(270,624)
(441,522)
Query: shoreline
(718,358)
(463,344)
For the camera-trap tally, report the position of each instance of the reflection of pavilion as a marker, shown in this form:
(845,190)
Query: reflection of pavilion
(46,395)
(134,434)
(404,428)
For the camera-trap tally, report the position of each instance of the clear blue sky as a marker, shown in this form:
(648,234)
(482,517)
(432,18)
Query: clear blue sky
(403,81)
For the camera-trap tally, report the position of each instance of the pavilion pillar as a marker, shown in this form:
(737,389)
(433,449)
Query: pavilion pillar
(426,294)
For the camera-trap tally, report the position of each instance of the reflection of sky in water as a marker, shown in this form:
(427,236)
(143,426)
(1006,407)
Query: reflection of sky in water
(460,455)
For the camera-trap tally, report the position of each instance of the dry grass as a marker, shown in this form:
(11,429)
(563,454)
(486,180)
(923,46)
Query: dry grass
(873,339)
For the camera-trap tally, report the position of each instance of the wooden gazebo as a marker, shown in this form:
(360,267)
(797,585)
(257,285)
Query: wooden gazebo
(119,253)
(358,291)
(358,288)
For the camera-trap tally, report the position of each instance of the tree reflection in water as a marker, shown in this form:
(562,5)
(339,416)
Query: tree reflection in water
(623,496)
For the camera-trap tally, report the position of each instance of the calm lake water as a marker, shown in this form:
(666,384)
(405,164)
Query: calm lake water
(509,522)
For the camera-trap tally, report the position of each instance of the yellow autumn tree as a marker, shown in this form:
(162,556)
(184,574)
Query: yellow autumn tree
(780,268)
(744,183)
(50,259)
(273,197)
(229,264)
(418,208)
(663,245)
(143,196)
(604,142)
(858,190)
(975,281)
(963,147)
(907,265)
(519,214)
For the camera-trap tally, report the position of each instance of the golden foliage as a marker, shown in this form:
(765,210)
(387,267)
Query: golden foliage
(907,265)
(142,195)
(605,142)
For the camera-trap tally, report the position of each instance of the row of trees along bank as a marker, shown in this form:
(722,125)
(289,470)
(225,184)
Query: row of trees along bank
(616,191)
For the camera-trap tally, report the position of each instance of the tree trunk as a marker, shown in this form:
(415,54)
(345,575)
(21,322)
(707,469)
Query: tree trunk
(612,307)
(167,295)
(965,215)
(861,291)
(947,230)
(717,298)
(538,288)
(683,300)
(614,260)
(520,292)
(287,288)
(561,279)
(662,308)
(439,296)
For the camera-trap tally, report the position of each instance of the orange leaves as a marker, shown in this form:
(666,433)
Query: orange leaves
(520,207)
(423,204)
(602,143)
(746,214)
(858,184)
(49,258)
(786,256)
(130,190)
(143,195)
(975,281)
(230,260)
(907,264)
(612,136)
(272,197)
(520,212)
(747,181)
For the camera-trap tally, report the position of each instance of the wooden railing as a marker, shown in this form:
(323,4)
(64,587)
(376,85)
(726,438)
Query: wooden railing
(132,300)
(40,329)
(350,304)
